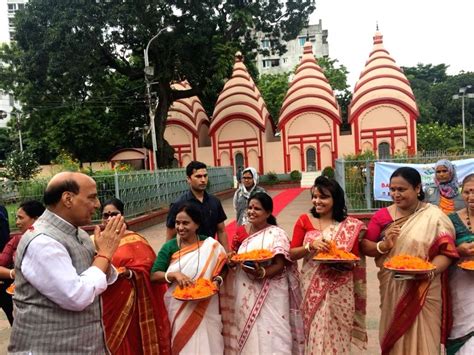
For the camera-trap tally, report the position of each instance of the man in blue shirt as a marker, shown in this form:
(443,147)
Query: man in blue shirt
(213,215)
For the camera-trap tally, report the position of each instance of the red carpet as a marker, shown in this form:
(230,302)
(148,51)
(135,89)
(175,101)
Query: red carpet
(280,201)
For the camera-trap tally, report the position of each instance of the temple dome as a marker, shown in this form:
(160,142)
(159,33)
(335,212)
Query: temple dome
(240,98)
(309,90)
(382,81)
(188,112)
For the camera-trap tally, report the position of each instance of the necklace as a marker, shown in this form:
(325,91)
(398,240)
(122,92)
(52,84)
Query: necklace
(414,211)
(252,231)
(331,229)
(468,220)
(199,257)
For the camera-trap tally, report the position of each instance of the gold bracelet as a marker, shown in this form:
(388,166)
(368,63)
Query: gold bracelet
(264,273)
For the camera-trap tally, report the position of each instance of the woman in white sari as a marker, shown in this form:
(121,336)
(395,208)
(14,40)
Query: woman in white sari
(196,326)
(260,303)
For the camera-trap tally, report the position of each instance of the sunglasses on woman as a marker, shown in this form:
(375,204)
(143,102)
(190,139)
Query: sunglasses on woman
(106,215)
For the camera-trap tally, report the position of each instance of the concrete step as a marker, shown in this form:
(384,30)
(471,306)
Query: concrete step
(308,177)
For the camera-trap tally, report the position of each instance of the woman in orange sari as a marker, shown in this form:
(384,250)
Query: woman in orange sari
(135,317)
(415,312)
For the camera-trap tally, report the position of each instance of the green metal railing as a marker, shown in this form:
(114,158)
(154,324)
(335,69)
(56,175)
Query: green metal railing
(141,191)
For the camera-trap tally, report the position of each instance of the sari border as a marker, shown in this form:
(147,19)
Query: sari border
(257,307)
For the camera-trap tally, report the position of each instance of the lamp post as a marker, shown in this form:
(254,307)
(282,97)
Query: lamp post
(149,72)
(462,94)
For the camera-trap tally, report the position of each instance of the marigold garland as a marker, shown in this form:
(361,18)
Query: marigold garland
(201,288)
(408,262)
(336,253)
(11,289)
(468,265)
(254,255)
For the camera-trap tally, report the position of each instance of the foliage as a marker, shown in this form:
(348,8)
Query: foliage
(273,88)
(6,142)
(295,175)
(440,136)
(20,165)
(366,155)
(123,168)
(328,171)
(434,90)
(272,177)
(336,74)
(66,162)
(77,67)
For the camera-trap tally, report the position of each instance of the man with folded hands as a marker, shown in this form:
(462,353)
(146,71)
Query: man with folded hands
(60,273)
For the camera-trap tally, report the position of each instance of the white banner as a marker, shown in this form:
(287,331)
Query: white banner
(383,171)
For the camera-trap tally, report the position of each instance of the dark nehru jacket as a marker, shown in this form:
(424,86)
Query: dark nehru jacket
(211,211)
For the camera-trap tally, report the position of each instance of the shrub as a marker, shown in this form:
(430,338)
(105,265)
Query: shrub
(21,165)
(295,175)
(66,162)
(272,177)
(328,171)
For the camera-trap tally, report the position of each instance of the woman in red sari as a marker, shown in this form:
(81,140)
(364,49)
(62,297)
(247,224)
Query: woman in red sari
(135,317)
(334,295)
(415,313)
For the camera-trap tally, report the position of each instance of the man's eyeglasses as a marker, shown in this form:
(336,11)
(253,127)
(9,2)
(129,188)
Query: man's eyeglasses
(247,178)
(106,215)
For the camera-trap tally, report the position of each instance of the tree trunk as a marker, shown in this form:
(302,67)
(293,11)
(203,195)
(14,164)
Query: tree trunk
(164,153)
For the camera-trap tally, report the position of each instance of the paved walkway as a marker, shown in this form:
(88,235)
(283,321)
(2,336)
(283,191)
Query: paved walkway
(286,218)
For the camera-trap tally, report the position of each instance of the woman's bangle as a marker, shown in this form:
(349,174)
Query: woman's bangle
(307,247)
(166,277)
(431,275)
(377,246)
(218,279)
(103,256)
(264,273)
(11,274)
(130,274)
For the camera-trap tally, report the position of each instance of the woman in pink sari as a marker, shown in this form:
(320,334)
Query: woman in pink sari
(260,301)
(415,313)
(334,295)
(135,318)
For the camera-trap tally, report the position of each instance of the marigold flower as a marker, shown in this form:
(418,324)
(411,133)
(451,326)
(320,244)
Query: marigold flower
(336,253)
(254,255)
(202,288)
(408,262)
(468,265)
(11,289)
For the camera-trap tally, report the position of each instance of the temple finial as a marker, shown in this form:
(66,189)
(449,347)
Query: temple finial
(376,25)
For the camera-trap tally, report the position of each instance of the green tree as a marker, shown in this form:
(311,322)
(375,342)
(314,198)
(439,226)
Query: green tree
(335,73)
(273,88)
(6,142)
(21,165)
(439,136)
(434,89)
(69,57)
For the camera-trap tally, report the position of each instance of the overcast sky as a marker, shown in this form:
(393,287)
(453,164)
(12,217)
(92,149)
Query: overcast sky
(414,31)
